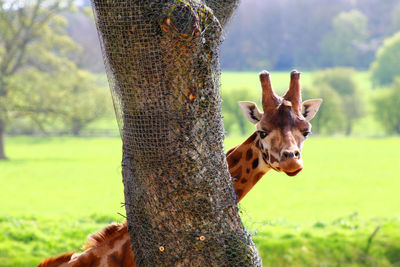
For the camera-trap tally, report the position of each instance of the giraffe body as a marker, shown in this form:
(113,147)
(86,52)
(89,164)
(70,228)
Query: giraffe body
(277,144)
(109,248)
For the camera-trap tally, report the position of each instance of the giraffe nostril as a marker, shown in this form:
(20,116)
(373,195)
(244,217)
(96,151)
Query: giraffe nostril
(289,155)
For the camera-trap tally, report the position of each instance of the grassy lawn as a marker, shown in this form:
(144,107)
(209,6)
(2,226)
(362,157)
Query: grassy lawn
(55,191)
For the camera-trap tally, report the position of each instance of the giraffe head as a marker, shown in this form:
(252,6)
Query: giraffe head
(284,124)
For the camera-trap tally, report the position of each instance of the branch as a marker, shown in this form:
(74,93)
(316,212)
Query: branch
(31,109)
(25,33)
(13,45)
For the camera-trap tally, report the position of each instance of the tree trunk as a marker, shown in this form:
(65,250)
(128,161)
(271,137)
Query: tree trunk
(349,127)
(161,59)
(397,128)
(76,127)
(2,132)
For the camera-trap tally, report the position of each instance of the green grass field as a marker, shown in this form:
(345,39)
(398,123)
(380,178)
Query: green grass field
(55,191)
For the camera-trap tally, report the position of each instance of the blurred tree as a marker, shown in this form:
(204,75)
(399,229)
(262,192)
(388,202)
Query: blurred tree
(233,115)
(343,45)
(68,99)
(341,81)
(387,110)
(87,101)
(387,63)
(31,35)
(329,119)
(270,34)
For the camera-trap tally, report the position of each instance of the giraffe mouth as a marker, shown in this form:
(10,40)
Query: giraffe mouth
(293,173)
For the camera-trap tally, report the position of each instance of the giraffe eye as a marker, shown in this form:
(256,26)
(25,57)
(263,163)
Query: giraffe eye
(263,134)
(305,134)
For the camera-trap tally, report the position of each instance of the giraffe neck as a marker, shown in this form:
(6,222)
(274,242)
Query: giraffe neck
(246,165)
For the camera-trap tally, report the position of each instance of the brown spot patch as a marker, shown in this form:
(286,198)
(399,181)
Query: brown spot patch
(127,255)
(239,193)
(243,181)
(247,170)
(274,142)
(249,154)
(114,259)
(255,163)
(87,260)
(234,158)
(258,176)
(273,159)
(236,174)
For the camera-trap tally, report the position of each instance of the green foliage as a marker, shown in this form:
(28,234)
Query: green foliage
(387,110)
(348,97)
(41,88)
(329,119)
(32,35)
(86,100)
(342,45)
(28,240)
(233,117)
(64,101)
(387,63)
(340,79)
(310,34)
(342,242)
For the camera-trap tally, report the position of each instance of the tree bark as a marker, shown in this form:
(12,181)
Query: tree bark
(349,127)
(161,59)
(2,132)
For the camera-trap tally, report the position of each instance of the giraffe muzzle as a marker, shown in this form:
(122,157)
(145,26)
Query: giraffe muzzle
(293,173)
(291,166)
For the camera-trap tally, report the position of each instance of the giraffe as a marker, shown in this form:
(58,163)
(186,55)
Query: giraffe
(277,143)
(280,133)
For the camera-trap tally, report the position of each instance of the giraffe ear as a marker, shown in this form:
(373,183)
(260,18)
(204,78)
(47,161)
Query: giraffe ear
(251,111)
(310,108)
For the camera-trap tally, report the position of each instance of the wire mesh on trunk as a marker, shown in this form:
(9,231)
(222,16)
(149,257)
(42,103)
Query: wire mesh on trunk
(161,59)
